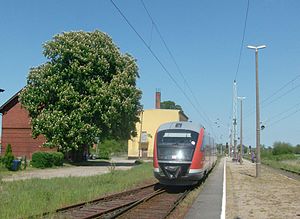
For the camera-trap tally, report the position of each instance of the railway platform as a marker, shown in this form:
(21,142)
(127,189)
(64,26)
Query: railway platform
(208,204)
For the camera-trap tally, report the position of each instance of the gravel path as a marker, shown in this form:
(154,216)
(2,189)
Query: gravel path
(273,195)
(120,164)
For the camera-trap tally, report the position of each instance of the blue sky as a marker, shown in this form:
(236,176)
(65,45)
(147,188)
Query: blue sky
(203,36)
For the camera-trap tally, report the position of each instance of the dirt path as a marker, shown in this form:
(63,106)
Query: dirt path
(119,164)
(273,195)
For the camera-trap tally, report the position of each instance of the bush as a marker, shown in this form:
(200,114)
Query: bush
(47,159)
(41,160)
(266,153)
(138,162)
(282,148)
(285,157)
(109,147)
(105,153)
(8,158)
(297,149)
(58,158)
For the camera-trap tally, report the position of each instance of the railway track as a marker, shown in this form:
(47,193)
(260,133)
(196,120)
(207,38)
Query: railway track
(151,201)
(158,206)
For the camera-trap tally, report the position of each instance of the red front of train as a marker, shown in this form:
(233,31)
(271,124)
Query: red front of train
(183,153)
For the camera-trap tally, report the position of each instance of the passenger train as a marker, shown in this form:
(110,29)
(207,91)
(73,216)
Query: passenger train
(183,153)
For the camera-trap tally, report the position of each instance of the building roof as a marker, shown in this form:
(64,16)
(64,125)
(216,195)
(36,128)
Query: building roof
(10,103)
(181,125)
(182,113)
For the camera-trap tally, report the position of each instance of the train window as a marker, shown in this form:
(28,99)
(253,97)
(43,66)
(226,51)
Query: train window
(176,144)
(178,125)
(204,143)
(177,137)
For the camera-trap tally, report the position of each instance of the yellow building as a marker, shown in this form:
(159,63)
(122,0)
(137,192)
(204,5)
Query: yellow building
(150,121)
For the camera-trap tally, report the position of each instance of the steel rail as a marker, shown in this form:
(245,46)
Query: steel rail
(84,209)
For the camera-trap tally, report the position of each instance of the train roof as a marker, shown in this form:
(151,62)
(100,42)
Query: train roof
(180,125)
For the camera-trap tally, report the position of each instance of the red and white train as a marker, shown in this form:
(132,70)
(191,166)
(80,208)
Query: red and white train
(183,153)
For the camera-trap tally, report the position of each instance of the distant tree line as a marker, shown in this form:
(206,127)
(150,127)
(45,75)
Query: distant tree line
(168,104)
(280,151)
(285,148)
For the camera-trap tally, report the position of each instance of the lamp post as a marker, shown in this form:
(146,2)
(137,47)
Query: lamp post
(241,130)
(141,131)
(256,48)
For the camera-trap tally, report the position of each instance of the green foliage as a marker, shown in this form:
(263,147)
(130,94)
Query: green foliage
(105,153)
(245,150)
(109,147)
(24,198)
(42,159)
(58,158)
(266,153)
(290,165)
(170,105)
(282,157)
(8,158)
(297,149)
(86,89)
(282,148)
(114,145)
(138,162)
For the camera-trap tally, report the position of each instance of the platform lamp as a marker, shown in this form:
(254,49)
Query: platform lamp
(258,165)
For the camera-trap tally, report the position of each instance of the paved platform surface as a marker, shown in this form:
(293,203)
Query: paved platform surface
(208,204)
(272,195)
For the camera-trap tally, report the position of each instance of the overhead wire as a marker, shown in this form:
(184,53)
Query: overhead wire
(264,104)
(281,88)
(175,62)
(284,94)
(265,122)
(156,57)
(241,48)
(289,115)
(281,113)
(242,42)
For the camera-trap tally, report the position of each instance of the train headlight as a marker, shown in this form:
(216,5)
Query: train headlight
(179,155)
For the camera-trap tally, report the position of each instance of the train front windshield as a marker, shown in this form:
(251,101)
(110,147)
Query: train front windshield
(176,144)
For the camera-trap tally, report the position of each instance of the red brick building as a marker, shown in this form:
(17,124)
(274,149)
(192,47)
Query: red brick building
(16,130)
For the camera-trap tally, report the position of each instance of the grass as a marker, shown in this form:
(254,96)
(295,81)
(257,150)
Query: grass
(289,165)
(23,198)
(289,162)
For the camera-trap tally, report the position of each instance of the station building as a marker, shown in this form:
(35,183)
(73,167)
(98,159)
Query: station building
(141,146)
(16,130)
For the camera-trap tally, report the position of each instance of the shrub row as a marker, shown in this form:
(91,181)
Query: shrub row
(42,159)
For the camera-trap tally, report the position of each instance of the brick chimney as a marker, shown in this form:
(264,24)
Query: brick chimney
(157,99)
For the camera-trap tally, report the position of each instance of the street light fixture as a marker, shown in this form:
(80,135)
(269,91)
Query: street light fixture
(1,90)
(257,47)
(258,167)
